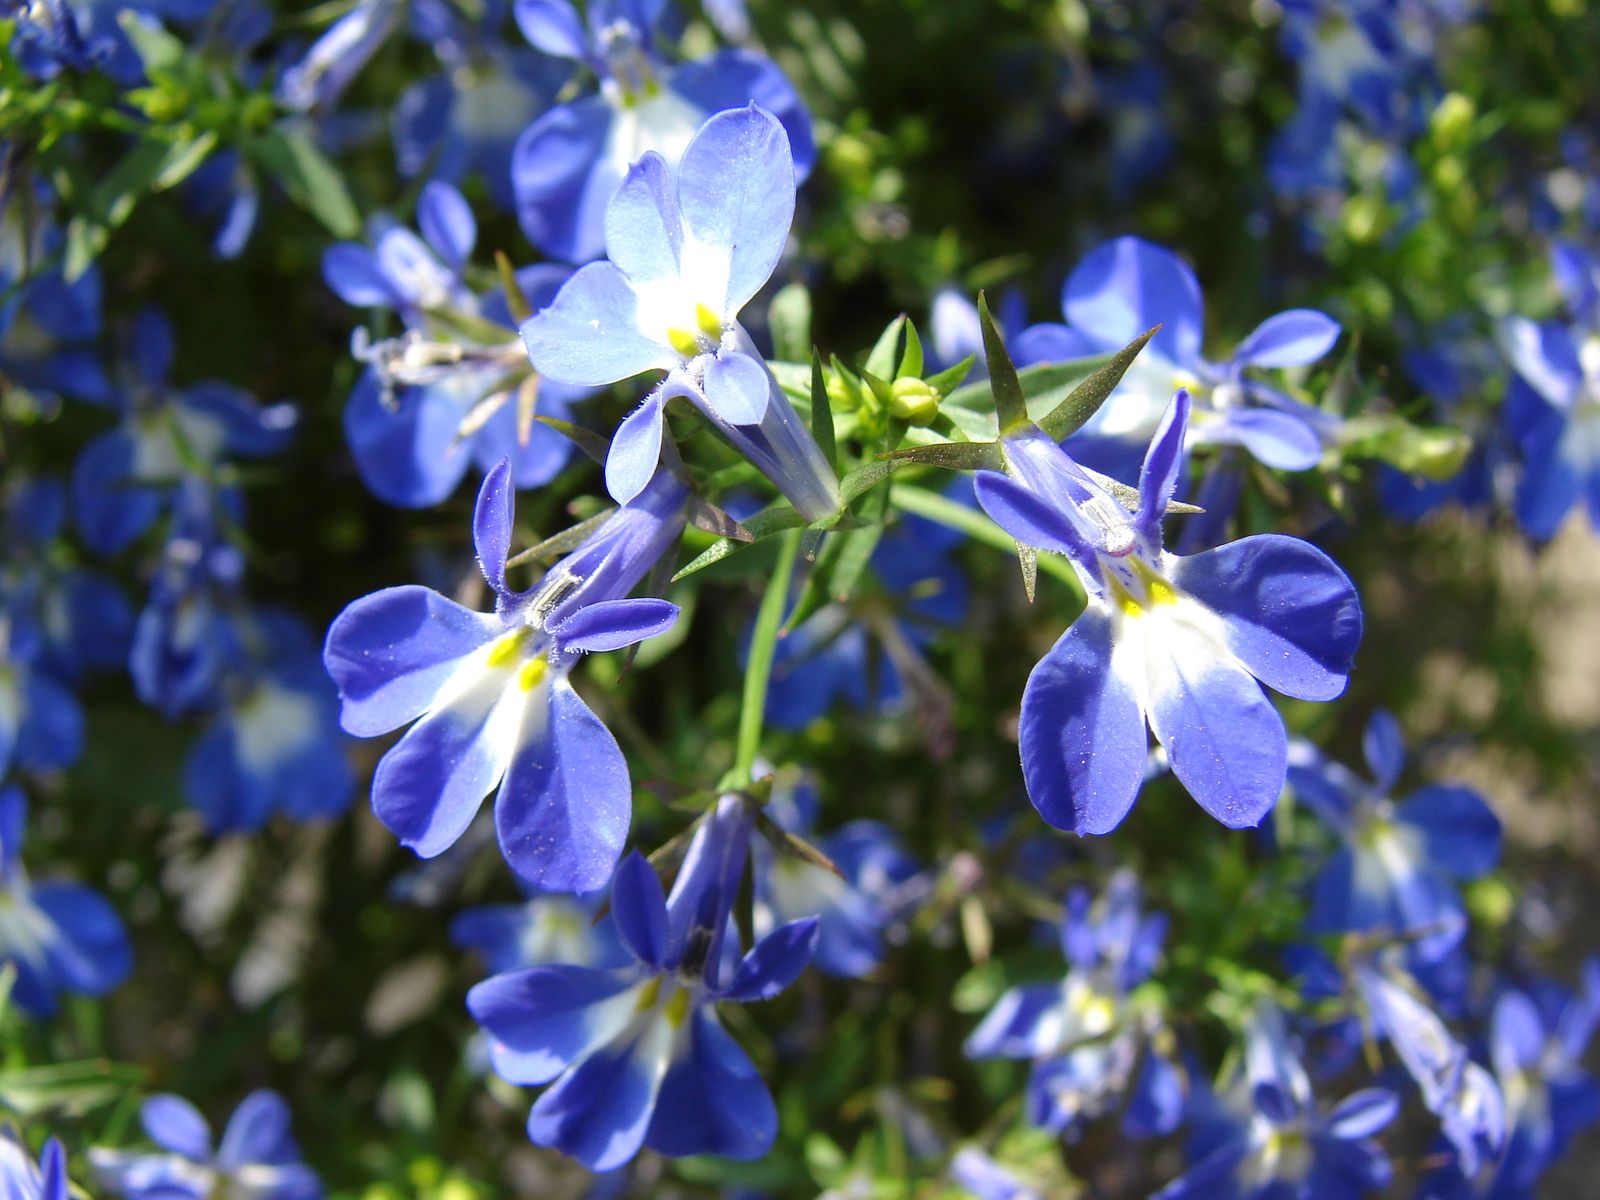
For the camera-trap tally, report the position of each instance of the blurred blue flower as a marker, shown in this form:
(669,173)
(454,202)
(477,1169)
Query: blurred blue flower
(330,64)
(545,928)
(497,713)
(972,1169)
(1183,644)
(1266,1138)
(687,254)
(1398,870)
(59,937)
(853,907)
(41,723)
(568,163)
(23,1179)
(1082,1034)
(635,1055)
(1124,287)
(258,1156)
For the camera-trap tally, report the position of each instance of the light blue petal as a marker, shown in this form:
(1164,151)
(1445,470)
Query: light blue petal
(644,232)
(1126,286)
(1460,835)
(447,223)
(635,449)
(258,1132)
(598,1111)
(1384,748)
(563,180)
(589,334)
(1289,339)
(491,525)
(172,1123)
(1276,439)
(614,624)
(737,389)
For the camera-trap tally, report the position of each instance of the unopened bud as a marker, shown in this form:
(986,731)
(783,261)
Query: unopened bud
(914,401)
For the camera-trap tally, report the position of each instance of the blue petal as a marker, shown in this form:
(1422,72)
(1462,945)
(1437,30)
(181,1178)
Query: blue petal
(1022,1024)
(712,1100)
(391,652)
(639,908)
(1289,339)
(774,962)
(51,734)
(1517,1034)
(172,1123)
(736,389)
(562,180)
(544,1018)
(635,450)
(1050,342)
(736,187)
(552,26)
(1126,286)
(1028,518)
(613,624)
(91,954)
(1276,439)
(590,334)
(258,1133)
(1546,357)
(1363,1114)
(1460,835)
(152,347)
(1082,732)
(446,222)
(644,232)
(1163,462)
(491,525)
(13,823)
(111,509)
(407,454)
(599,1110)
(1384,748)
(1289,613)
(563,811)
(1223,738)
(356,278)
(734,78)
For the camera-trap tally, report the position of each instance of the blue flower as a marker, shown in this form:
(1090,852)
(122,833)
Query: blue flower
(496,710)
(1123,288)
(972,1169)
(60,937)
(273,745)
(23,1179)
(636,1053)
(1180,643)
(853,907)
(48,326)
(124,479)
(41,724)
(331,63)
(1083,1035)
(427,409)
(686,256)
(1401,860)
(82,619)
(1460,1092)
(258,1156)
(1266,1139)
(568,163)
(545,928)
(1552,410)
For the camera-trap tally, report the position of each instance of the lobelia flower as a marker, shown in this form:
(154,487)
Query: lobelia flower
(82,619)
(1461,1093)
(1082,1034)
(489,693)
(972,1169)
(567,164)
(1552,412)
(41,723)
(126,478)
(1401,860)
(60,937)
(1124,287)
(467,118)
(23,1179)
(1537,1043)
(86,35)
(331,63)
(1183,643)
(427,409)
(48,326)
(545,928)
(258,1156)
(636,1053)
(1266,1139)
(686,255)
(273,743)
(853,907)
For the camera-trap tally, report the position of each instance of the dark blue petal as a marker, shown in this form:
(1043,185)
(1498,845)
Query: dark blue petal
(639,908)
(712,1100)
(544,1018)
(774,962)
(172,1123)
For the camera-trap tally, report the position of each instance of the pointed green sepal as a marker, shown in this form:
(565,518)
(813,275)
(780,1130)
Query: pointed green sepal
(953,456)
(911,358)
(1009,405)
(553,548)
(595,445)
(822,413)
(1085,400)
(764,524)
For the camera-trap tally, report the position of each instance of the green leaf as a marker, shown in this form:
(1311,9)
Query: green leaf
(158,49)
(554,547)
(880,361)
(596,445)
(764,524)
(1085,400)
(822,413)
(311,180)
(516,298)
(470,327)
(184,160)
(949,379)
(112,200)
(1431,451)
(1044,385)
(789,319)
(1010,406)
(758,665)
(864,478)
(953,456)
(911,360)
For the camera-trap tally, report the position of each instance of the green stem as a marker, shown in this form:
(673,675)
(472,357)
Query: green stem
(758,670)
(970,521)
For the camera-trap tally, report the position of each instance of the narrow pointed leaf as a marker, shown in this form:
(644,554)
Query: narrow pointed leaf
(954,456)
(787,843)
(881,360)
(1028,560)
(1009,405)
(761,526)
(554,547)
(707,516)
(1085,400)
(911,360)
(516,298)
(822,413)
(949,379)
(595,445)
